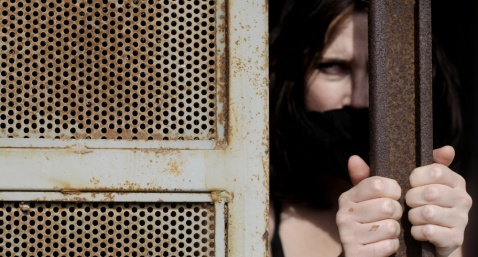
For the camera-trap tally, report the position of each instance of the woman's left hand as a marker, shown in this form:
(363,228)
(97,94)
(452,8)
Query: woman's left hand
(439,203)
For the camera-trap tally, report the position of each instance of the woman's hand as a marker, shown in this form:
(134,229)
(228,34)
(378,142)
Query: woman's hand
(439,202)
(368,213)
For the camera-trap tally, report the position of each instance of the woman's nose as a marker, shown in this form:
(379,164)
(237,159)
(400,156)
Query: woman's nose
(360,94)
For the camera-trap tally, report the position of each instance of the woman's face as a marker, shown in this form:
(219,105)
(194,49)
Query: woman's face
(340,76)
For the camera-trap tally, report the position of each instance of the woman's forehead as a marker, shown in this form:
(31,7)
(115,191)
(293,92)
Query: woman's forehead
(350,40)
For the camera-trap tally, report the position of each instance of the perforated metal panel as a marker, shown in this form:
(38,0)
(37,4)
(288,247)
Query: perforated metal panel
(84,69)
(221,94)
(106,229)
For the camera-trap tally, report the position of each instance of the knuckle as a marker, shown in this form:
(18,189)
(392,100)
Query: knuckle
(430,193)
(428,213)
(466,201)
(377,185)
(436,172)
(343,200)
(388,207)
(392,228)
(428,232)
(458,240)
(462,181)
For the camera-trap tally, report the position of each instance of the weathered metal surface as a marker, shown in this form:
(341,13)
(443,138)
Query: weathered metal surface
(400,103)
(107,229)
(177,211)
(235,161)
(98,196)
(128,70)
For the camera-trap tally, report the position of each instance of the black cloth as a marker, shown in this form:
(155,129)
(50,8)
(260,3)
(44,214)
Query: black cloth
(327,138)
(313,147)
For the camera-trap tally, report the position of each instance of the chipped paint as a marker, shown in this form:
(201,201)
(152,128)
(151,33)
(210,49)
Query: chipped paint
(221,196)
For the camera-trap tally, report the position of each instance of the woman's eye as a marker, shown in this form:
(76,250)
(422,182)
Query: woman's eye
(334,68)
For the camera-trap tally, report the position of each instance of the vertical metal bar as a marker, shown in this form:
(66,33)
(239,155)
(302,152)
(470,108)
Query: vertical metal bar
(425,96)
(400,102)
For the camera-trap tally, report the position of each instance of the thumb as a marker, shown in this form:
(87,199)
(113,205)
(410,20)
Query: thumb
(444,155)
(358,169)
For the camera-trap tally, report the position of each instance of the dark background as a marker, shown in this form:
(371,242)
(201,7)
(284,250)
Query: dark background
(455,26)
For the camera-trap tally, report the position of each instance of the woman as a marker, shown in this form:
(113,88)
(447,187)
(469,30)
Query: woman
(323,201)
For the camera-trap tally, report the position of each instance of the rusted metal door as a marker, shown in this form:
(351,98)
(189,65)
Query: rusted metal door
(133,128)
(401,97)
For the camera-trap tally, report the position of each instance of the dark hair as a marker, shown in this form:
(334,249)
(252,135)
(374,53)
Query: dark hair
(292,51)
(447,117)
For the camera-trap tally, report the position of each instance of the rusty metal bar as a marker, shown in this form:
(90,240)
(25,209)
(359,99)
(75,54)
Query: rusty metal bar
(400,97)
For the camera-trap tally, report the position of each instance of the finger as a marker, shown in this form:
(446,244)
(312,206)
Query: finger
(383,208)
(358,169)
(436,215)
(437,194)
(446,240)
(377,249)
(444,155)
(436,174)
(371,188)
(377,231)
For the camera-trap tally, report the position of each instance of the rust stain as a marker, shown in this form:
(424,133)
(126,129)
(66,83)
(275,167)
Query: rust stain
(110,197)
(400,90)
(265,168)
(222,67)
(78,199)
(131,186)
(216,196)
(82,151)
(61,185)
(174,168)
(265,239)
(94,181)
(221,196)
(70,192)
(374,227)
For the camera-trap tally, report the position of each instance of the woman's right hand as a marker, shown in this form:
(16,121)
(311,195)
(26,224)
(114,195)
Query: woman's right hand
(368,213)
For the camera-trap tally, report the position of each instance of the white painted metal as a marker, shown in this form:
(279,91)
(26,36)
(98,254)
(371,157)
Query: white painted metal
(237,163)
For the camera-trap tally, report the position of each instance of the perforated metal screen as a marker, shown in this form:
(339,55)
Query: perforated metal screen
(84,69)
(106,229)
